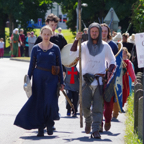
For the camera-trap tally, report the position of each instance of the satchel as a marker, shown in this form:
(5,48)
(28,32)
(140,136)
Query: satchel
(27,86)
(55,70)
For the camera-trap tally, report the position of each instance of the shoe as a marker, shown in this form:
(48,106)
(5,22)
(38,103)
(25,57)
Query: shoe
(88,128)
(107,126)
(50,130)
(96,135)
(40,132)
(68,112)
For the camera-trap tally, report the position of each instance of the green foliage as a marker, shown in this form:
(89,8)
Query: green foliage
(131,137)
(138,16)
(24,11)
(95,9)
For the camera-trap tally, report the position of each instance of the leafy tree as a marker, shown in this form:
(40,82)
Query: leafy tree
(138,16)
(97,9)
(23,11)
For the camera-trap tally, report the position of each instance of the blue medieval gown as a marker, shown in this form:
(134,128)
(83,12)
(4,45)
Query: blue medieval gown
(41,109)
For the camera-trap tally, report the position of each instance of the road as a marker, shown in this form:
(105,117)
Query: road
(13,97)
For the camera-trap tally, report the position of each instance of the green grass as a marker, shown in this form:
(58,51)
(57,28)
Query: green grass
(130,136)
(67,34)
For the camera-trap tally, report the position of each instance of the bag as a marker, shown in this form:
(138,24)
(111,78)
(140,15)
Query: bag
(27,86)
(89,78)
(55,70)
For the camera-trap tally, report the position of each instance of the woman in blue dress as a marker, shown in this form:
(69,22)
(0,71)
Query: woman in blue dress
(41,109)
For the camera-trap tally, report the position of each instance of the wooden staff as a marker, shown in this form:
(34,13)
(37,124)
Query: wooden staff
(80,70)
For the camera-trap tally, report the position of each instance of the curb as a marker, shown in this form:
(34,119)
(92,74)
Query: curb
(19,60)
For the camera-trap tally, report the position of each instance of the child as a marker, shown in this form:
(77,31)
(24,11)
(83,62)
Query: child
(72,88)
(129,70)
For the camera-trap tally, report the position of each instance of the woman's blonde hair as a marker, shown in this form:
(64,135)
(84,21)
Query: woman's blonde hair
(48,28)
(128,55)
(125,49)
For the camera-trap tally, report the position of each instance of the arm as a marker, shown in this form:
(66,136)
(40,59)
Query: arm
(131,71)
(32,63)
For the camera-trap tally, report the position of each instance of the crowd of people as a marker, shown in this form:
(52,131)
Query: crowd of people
(49,76)
(20,44)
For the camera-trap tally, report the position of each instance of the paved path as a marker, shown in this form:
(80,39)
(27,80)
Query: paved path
(67,129)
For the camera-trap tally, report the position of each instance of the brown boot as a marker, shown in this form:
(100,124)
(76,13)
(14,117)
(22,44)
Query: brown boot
(107,126)
(96,135)
(88,128)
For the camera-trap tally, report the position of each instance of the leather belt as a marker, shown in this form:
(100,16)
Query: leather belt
(44,69)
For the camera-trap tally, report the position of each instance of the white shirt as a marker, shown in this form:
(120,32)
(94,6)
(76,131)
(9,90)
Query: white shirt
(1,44)
(95,64)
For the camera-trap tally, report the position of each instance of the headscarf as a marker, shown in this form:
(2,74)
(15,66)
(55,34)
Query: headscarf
(95,49)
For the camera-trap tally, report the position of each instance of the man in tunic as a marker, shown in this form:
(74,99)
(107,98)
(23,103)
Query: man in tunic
(95,53)
(22,36)
(108,106)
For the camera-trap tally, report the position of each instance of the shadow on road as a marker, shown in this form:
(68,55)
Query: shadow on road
(38,138)
(87,139)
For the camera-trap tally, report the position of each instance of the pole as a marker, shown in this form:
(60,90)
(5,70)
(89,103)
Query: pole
(80,69)
(77,17)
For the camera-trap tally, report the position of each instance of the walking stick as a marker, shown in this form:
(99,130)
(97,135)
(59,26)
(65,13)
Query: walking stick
(80,70)
(70,103)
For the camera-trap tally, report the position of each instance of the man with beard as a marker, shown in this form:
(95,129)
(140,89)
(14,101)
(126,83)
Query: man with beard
(108,106)
(95,53)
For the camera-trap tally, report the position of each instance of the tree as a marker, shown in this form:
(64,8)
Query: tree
(97,9)
(138,16)
(23,11)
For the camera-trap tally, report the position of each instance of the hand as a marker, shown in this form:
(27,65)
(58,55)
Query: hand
(108,75)
(79,35)
(62,87)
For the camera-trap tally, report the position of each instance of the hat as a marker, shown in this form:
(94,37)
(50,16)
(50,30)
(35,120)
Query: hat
(85,29)
(117,38)
(59,28)
(131,39)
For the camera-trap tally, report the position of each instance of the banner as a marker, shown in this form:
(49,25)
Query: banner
(118,81)
(139,41)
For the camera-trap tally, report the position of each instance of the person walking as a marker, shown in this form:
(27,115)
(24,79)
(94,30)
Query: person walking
(95,53)
(45,68)
(31,41)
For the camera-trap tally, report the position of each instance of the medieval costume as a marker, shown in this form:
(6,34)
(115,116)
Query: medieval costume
(129,72)
(15,40)
(41,109)
(72,88)
(56,39)
(108,106)
(94,57)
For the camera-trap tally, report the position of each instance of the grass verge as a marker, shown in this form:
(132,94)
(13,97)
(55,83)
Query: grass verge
(130,136)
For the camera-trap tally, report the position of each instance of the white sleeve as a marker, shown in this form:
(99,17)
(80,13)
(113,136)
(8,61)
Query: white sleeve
(110,58)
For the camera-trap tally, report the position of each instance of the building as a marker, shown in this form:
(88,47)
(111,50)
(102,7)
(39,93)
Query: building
(57,11)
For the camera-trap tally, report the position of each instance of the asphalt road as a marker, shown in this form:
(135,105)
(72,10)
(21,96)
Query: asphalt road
(13,97)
